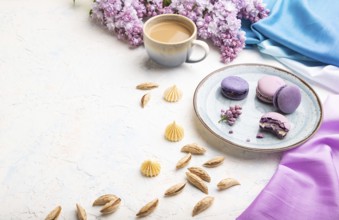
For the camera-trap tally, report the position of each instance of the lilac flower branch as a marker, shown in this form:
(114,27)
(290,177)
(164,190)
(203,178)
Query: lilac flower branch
(216,20)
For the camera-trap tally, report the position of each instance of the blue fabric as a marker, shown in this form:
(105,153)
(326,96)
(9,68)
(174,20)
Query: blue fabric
(308,28)
(314,72)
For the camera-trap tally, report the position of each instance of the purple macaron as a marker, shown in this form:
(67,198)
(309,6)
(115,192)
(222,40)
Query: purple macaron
(267,87)
(275,123)
(234,87)
(287,99)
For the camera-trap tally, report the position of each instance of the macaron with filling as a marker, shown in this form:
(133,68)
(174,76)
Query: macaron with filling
(267,87)
(275,123)
(234,87)
(287,99)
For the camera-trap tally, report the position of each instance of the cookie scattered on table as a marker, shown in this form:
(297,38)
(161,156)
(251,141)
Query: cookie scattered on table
(200,173)
(147,86)
(150,168)
(184,161)
(172,94)
(54,214)
(193,149)
(202,205)
(214,162)
(109,202)
(102,200)
(176,189)
(174,132)
(111,206)
(227,183)
(197,182)
(81,213)
(148,208)
(145,99)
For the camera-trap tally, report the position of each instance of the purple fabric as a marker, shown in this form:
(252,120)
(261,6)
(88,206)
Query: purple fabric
(306,183)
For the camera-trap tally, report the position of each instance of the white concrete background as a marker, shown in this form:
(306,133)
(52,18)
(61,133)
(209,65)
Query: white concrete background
(72,129)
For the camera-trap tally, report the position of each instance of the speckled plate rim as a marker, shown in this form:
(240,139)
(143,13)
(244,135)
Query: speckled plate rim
(244,147)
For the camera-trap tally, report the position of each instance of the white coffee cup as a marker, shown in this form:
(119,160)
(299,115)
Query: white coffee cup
(169,39)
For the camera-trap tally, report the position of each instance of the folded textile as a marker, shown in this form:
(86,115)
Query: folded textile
(305,26)
(326,76)
(306,183)
(303,35)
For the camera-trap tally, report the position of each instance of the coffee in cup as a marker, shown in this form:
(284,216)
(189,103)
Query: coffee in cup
(169,39)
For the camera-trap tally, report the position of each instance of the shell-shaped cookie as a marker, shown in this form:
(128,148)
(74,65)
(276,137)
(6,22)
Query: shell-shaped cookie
(172,94)
(147,86)
(81,212)
(102,200)
(174,190)
(148,208)
(193,149)
(184,161)
(150,168)
(214,162)
(145,99)
(111,206)
(202,205)
(174,132)
(200,173)
(54,214)
(227,183)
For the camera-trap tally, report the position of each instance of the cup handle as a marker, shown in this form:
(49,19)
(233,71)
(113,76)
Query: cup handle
(204,46)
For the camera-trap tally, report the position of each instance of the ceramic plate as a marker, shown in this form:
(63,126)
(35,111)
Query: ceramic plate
(208,102)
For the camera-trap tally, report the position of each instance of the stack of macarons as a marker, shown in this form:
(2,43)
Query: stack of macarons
(272,90)
(285,98)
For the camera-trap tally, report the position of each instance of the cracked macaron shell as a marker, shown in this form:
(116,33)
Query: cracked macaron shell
(275,123)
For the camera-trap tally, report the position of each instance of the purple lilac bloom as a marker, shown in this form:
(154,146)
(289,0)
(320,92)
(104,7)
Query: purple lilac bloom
(217,20)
